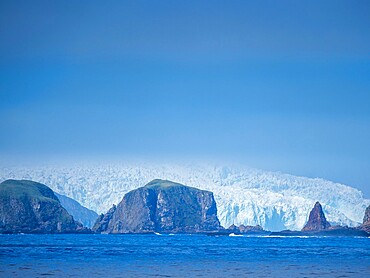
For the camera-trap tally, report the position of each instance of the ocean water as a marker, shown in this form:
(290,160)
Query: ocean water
(182,256)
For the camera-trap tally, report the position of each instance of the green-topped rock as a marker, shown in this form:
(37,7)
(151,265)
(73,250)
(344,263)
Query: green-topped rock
(162,206)
(31,207)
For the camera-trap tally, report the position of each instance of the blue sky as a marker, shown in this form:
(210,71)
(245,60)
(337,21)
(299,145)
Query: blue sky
(278,85)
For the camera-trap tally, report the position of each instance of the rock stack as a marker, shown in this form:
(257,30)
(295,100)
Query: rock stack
(317,220)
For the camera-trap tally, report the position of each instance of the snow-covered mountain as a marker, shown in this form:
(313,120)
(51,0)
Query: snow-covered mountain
(246,196)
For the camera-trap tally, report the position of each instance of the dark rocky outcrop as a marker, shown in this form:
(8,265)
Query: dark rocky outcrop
(101,224)
(367,215)
(317,220)
(31,207)
(366,223)
(80,213)
(162,206)
(242,229)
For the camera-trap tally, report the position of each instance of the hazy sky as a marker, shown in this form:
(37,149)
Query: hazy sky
(277,85)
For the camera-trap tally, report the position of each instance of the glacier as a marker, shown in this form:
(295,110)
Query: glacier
(244,195)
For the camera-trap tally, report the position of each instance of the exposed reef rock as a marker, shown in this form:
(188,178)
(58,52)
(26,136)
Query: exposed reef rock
(317,220)
(162,206)
(242,229)
(31,207)
(336,231)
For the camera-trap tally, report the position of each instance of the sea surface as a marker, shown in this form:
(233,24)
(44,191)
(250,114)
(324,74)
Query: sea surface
(182,256)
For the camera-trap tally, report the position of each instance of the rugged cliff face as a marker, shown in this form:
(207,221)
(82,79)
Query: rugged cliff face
(31,207)
(366,223)
(367,215)
(162,206)
(316,220)
(101,224)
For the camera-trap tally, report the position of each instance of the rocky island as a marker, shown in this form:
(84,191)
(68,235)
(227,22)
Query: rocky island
(317,225)
(31,207)
(162,206)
